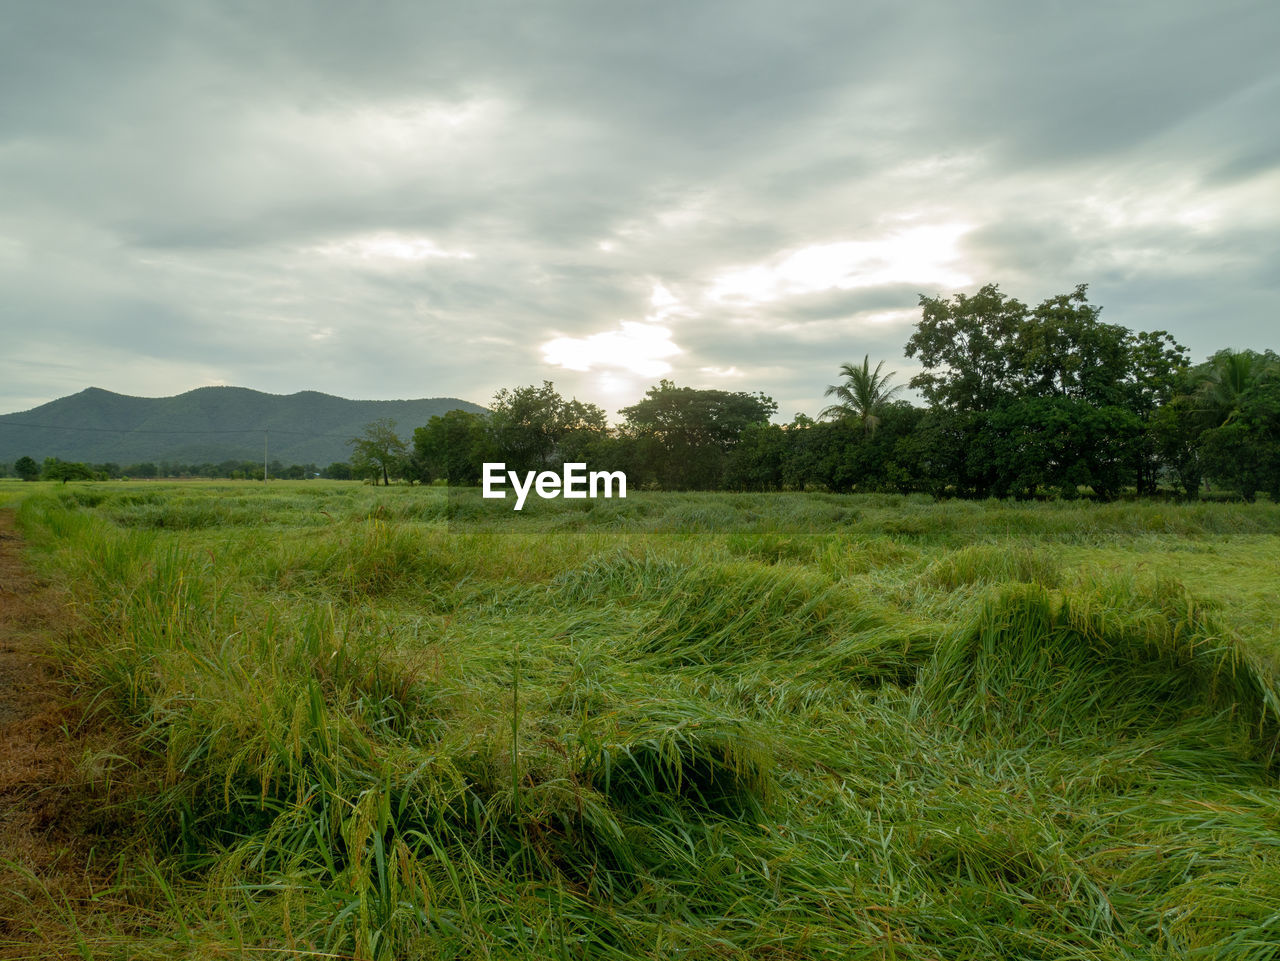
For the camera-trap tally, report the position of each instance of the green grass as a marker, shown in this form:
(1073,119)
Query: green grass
(388,723)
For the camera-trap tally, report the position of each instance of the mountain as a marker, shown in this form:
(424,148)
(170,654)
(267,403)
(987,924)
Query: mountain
(206,425)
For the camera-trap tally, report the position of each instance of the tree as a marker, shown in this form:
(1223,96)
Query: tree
(61,470)
(941,451)
(980,351)
(842,456)
(1157,372)
(758,462)
(1062,349)
(967,348)
(379,450)
(1053,443)
(1046,397)
(531,426)
(1175,434)
(863,394)
(338,470)
(1238,399)
(27,468)
(683,435)
(452,446)
(1227,381)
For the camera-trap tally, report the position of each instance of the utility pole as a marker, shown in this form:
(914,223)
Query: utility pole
(264,457)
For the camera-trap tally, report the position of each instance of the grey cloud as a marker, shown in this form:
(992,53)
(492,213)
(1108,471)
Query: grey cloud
(167,171)
(833,304)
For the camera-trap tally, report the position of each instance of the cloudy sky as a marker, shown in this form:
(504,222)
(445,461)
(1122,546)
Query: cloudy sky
(414,199)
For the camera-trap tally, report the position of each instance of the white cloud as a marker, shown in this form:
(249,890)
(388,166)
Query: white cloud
(664,304)
(721,371)
(924,255)
(387,248)
(639,348)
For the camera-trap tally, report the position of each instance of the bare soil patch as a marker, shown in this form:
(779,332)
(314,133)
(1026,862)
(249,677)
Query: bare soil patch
(45,856)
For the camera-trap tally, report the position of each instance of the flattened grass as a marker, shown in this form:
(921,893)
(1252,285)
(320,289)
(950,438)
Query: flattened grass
(820,727)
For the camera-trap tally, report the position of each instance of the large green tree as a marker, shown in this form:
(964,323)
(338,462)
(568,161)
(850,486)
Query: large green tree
(378,451)
(27,468)
(338,470)
(1227,380)
(452,446)
(980,351)
(1052,444)
(61,470)
(759,460)
(684,435)
(1157,369)
(1062,349)
(843,456)
(1045,397)
(532,428)
(1238,402)
(968,348)
(1174,432)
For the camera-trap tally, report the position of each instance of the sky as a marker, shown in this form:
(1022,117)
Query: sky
(421,199)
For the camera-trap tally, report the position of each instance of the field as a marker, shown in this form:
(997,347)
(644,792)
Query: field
(383,723)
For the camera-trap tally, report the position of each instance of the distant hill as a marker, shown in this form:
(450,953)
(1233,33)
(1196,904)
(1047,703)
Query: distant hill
(206,425)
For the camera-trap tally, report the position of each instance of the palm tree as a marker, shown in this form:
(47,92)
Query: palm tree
(1232,374)
(863,394)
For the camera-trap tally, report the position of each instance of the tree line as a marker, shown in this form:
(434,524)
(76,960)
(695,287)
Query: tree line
(1019,402)
(57,469)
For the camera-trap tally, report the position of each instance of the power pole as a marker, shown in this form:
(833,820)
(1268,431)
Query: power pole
(264,457)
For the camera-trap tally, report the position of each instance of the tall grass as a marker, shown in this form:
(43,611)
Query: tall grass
(368,725)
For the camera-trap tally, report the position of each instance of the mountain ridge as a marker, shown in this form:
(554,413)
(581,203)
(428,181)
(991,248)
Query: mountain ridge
(205,425)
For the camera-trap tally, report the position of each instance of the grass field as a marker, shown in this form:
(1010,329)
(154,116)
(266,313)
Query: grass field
(382,723)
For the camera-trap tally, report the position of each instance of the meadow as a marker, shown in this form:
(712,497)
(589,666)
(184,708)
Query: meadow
(385,723)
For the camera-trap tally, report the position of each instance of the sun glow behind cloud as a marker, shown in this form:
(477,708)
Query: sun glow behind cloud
(388,248)
(635,347)
(638,348)
(925,255)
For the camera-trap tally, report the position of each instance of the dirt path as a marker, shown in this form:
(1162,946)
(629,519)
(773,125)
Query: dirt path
(44,858)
